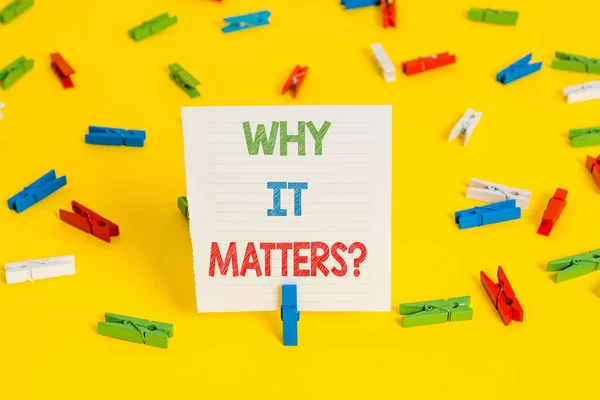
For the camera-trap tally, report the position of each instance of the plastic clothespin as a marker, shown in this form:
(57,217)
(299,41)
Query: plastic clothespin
(289,314)
(517,70)
(465,126)
(182,203)
(553,210)
(13,72)
(493,16)
(593,165)
(427,63)
(184,80)
(388,9)
(295,80)
(436,311)
(88,221)
(352,4)
(136,330)
(246,21)
(33,270)
(575,266)
(503,297)
(584,137)
(583,92)
(62,69)
(14,9)
(115,136)
(152,27)
(491,214)
(575,63)
(493,193)
(384,63)
(36,192)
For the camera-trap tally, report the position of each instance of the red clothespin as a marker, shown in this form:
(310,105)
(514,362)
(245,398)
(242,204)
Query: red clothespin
(426,63)
(593,165)
(503,297)
(62,69)
(295,80)
(85,219)
(555,207)
(388,8)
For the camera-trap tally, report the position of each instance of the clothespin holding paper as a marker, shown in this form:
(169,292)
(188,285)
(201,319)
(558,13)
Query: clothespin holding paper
(436,311)
(289,314)
(182,203)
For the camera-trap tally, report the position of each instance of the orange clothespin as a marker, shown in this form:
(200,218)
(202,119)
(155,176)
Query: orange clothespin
(88,221)
(62,70)
(503,297)
(555,207)
(388,8)
(426,63)
(593,165)
(295,80)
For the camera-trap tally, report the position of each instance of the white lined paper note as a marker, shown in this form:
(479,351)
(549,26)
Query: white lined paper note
(347,200)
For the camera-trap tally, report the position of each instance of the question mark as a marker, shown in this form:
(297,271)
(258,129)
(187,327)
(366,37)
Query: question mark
(359,259)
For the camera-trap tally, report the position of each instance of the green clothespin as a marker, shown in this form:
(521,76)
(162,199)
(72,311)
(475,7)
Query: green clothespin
(575,63)
(14,9)
(493,16)
(152,27)
(436,311)
(14,71)
(575,266)
(585,137)
(136,330)
(182,203)
(184,80)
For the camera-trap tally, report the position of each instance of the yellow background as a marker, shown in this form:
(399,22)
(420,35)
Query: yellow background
(50,347)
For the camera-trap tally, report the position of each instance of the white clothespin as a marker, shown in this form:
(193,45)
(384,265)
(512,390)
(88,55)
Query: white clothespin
(465,126)
(32,270)
(1,107)
(584,92)
(384,63)
(493,193)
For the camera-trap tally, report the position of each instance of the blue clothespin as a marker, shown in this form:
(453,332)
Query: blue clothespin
(352,4)
(518,70)
(115,137)
(36,192)
(486,215)
(241,22)
(289,314)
